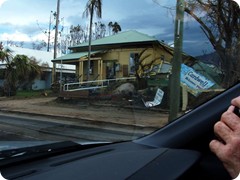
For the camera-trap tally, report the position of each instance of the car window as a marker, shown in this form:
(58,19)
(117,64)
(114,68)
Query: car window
(110,71)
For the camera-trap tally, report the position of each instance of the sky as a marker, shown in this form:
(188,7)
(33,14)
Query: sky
(26,20)
(20,18)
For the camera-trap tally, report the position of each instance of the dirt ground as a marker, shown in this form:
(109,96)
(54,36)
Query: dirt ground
(92,111)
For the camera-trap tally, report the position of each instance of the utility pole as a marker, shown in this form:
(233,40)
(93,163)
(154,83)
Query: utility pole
(56,30)
(56,41)
(177,61)
(49,31)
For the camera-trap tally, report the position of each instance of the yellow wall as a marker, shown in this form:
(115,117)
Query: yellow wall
(122,56)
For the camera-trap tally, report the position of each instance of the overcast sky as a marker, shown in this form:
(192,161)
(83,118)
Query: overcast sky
(21,16)
(25,20)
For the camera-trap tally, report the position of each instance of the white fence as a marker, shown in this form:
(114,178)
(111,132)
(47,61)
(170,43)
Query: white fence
(86,85)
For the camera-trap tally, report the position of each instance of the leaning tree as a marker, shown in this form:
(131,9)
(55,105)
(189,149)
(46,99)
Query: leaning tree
(220,21)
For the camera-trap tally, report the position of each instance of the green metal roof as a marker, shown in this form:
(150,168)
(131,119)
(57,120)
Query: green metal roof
(120,38)
(74,56)
(126,37)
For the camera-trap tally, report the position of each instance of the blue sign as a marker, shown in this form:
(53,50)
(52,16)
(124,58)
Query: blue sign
(193,79)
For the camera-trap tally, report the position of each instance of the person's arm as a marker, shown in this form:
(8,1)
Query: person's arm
(227,147)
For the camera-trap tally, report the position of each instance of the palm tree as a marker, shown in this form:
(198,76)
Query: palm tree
(20,72)
(116,28)
(110,24)
(10,79)
(5,54)
(91,7)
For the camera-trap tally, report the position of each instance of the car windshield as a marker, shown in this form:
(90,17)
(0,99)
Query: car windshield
(109,71)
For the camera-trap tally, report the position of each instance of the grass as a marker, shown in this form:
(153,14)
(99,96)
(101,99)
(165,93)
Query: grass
(32,94)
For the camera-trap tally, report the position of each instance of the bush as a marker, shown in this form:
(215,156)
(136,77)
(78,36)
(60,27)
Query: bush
(1,91)
(55,87)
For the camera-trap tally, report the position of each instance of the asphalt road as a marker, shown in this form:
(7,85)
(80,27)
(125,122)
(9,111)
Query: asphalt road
(16,127)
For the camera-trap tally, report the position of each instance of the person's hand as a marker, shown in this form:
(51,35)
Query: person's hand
(227,148)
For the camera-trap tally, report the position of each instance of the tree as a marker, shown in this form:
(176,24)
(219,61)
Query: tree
(20,71)
(5,54)
(100,30)
(1,46)
(221,26)
(91,7)
(39,45)
(110,27)
(114,28)
(77,35)
(219,20)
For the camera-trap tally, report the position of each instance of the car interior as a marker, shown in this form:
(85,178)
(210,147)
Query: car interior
(179,150)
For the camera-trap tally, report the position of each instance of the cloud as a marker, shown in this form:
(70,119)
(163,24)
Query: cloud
(195,41)
(29,29)
(2,2)
(19,21)
(16,36)
(148,20)
(131,16)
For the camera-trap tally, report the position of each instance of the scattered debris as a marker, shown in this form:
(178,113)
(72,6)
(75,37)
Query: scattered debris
(125,89)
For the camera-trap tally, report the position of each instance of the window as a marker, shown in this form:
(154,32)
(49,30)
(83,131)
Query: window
(133,63)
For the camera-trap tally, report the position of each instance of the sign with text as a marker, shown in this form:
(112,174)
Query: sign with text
(193,79)
(157,99)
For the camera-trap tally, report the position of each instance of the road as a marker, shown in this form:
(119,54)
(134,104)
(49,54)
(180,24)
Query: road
(25,127)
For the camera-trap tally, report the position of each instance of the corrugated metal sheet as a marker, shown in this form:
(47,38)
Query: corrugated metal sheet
(74,56)
(42,56)
(120,38)
(123,37)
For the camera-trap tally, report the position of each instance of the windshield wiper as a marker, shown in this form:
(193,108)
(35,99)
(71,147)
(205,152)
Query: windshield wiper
(20,155)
